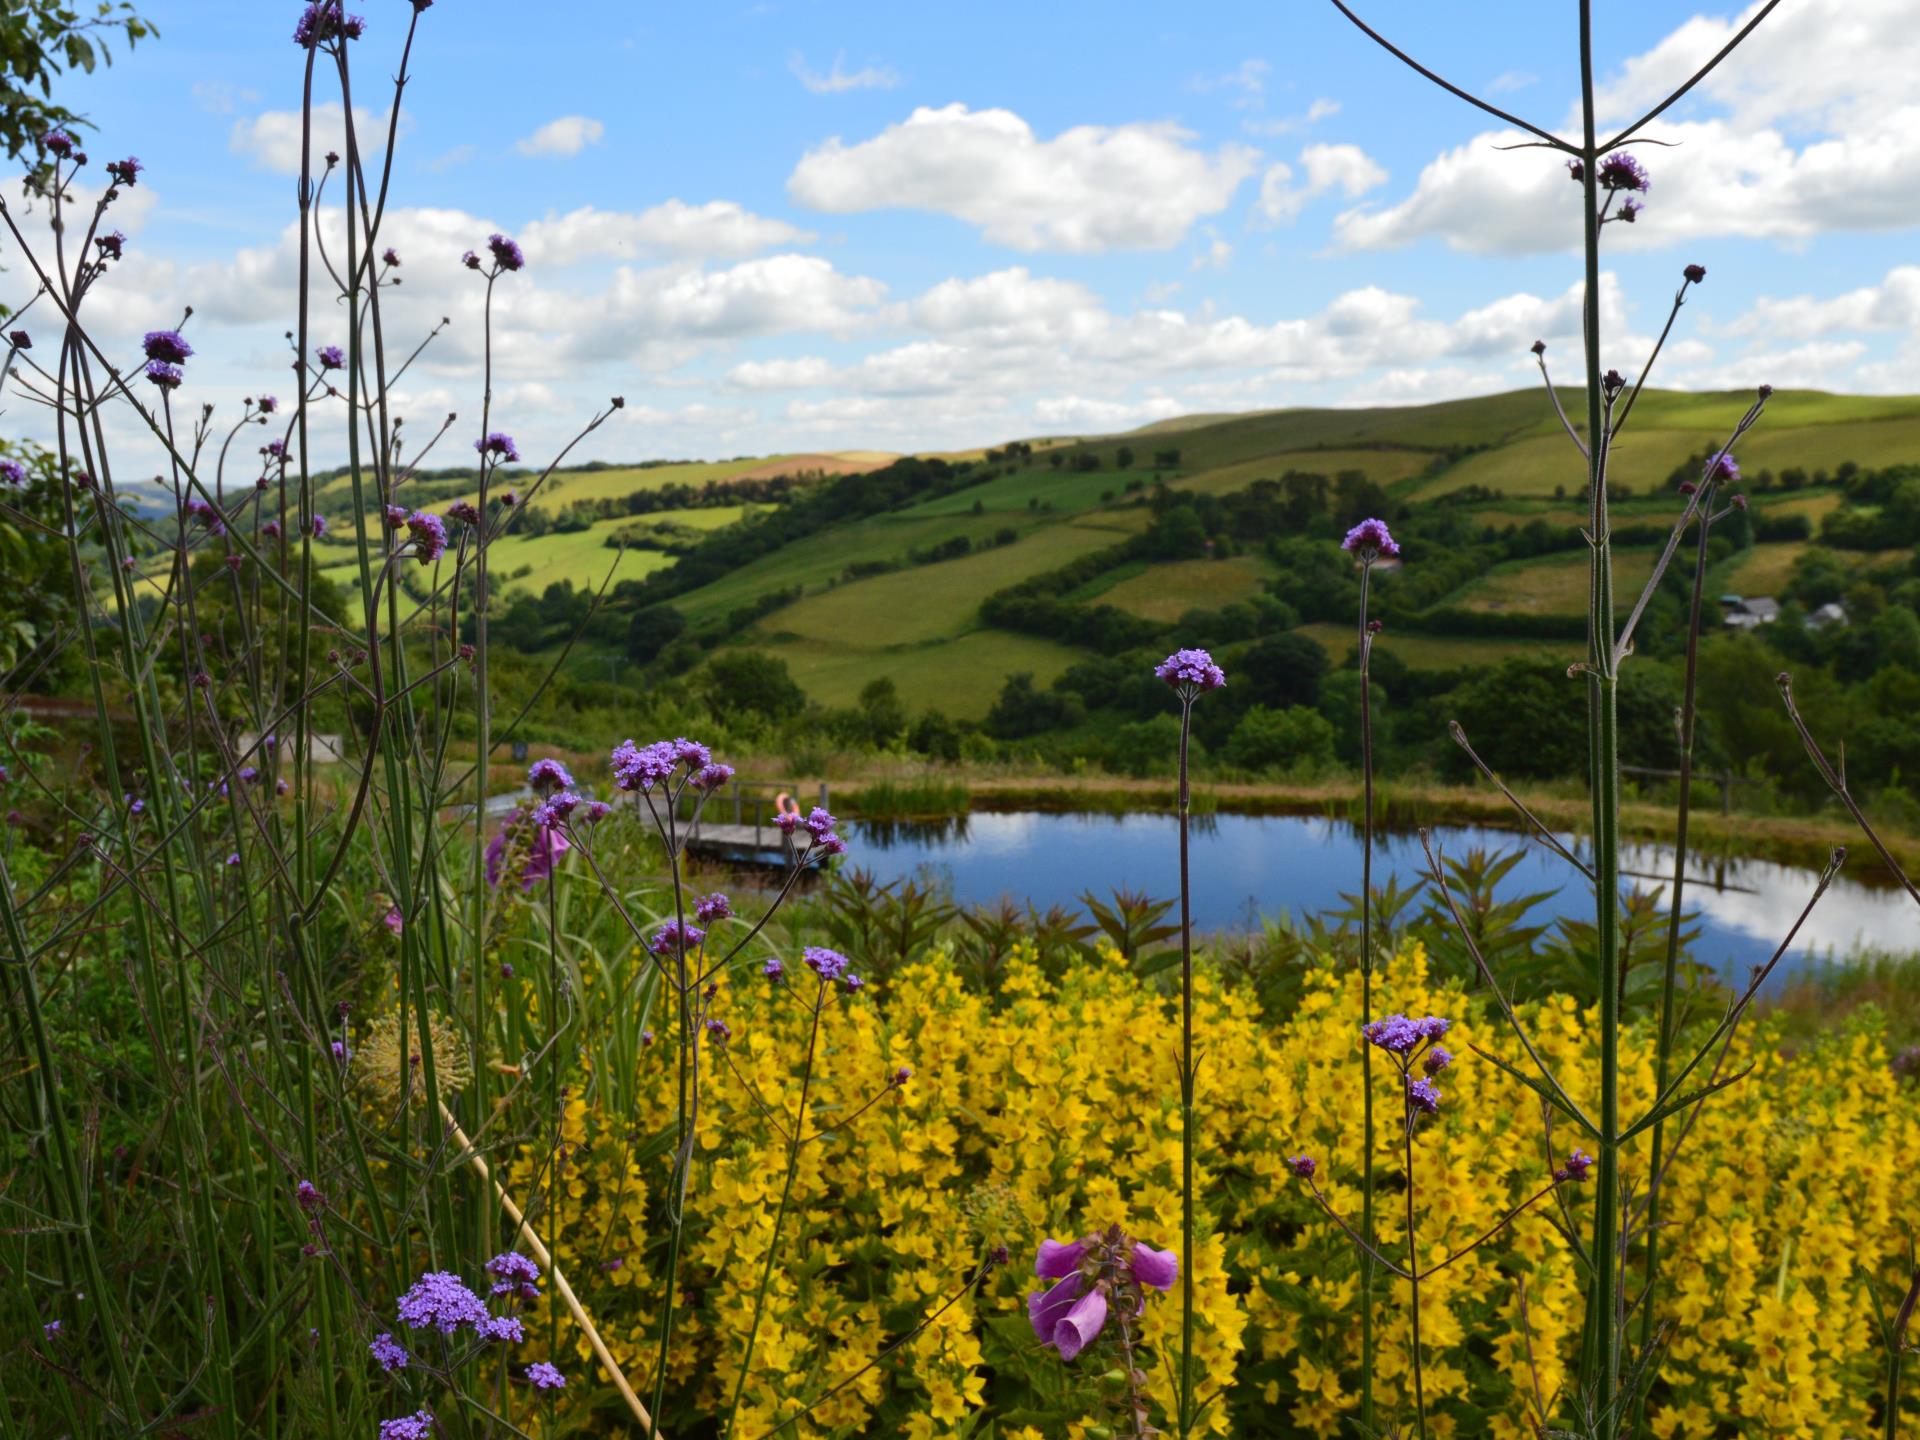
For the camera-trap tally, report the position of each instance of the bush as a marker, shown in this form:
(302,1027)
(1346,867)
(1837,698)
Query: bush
(1145,747)
(1294,738)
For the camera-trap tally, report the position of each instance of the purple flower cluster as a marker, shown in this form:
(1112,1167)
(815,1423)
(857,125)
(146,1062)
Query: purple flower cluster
(674,938)
(545,1377)
(321,22)
(388,1353)
(1620,171)
(167,377)
(331,357)
(506,254)
(641,767)
(514,1274)
(1088,1273)
(1371,539)
(1578,1163)
(168,345)
(499,445)
(505,1328)
(827,964)
(208,514)
(710,908)
(125,172)
(1303,1165)
(417,1426)
(1191,670)
(1398,1034)
(440,1299)
(13,472)
(58,141)
(464,511)
(1723,467)
(547,776)
(429,534)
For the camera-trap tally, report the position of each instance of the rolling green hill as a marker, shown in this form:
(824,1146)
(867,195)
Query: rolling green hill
(897,590)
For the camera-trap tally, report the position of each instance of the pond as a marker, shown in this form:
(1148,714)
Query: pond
(1245,866)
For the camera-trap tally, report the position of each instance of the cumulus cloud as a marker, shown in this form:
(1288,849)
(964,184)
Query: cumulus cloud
(1894,304)
(271,139)
(1346,168)
(568,135)
(838,79)
(1808,140)
(1089,189)
(718,229)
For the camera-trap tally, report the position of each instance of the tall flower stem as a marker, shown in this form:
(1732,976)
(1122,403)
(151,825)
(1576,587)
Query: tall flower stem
(1366,1004)
(1604,752)
(1413,1285)
(1670,972)
(1186,1080)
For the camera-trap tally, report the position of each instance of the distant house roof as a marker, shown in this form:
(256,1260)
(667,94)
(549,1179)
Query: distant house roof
(1763,608)
(1730,599)
(1831,613)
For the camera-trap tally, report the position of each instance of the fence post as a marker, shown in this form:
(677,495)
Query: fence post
(736,802)
(1726,792)
(823,795)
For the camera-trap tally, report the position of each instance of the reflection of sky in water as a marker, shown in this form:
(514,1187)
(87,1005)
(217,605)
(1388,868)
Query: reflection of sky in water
(1244,865)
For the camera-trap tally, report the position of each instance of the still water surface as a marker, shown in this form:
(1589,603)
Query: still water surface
(1250,865)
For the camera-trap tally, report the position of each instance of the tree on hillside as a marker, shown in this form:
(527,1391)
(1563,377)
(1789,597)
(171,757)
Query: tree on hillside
(1123,458)
(751,681)
(651,630)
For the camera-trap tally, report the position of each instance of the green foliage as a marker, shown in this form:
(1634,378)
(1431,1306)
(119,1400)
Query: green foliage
(40,40)
(1293,738)
(752,682)
(1145,747)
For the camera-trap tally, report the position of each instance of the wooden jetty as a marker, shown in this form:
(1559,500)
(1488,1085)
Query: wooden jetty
(749,837)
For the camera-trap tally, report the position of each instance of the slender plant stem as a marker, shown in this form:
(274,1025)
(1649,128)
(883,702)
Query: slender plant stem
(1671,969)
(1413,1286)
(1603,690)
(1186,1084)
(1367,1270)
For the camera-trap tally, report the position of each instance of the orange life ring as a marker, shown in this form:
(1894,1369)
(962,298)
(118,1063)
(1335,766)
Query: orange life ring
(785,804)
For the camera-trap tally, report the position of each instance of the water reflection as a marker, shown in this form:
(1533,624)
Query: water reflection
(1250,865)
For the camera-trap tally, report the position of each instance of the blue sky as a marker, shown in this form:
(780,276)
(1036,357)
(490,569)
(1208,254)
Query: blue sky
(809,226)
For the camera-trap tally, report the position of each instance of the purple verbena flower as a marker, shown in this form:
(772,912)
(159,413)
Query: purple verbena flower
(672,937)
(710,908)
(827,964)
(124,172)
(168,345)
(498,444)
(417,1426)
(1370,538)
(546,776)
(206,512)
(506,254)
(321,22)
(13,472)
(1191,670)
(1437,1060)
(388,1353)
(332,357)
(464,511)
(307,1195)
(394,516)
(691,753)
(1578,1163)
(20,340)
(267,404)
(58,141)
(1620,171)
(111,245)
(641,768)
(1423,1095)
(820,824)
(773,969)
(719,1032)
(390,257)
(1723,467)
(167,377)
(1695,274)
(429,533)
(514,1274)
(440,1299)
(711,777)
(319,526)
(545,1377)
(1302,1165)
(501,1327)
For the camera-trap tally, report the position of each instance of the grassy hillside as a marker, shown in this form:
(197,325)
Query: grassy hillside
(866,596)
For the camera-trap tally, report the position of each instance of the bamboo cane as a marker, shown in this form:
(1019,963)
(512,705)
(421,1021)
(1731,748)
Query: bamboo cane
(560,1285)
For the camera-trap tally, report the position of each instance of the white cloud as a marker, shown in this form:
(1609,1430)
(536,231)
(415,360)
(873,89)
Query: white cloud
(839,79)
(1079,414)
(1346,168)
(1894,304)
(271,139)
(1089,189)
(718,229)
(803,373)
(1217,256)
(1321,109)
(568,135)
(1811,126)
(1247,82)
(1717,179)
